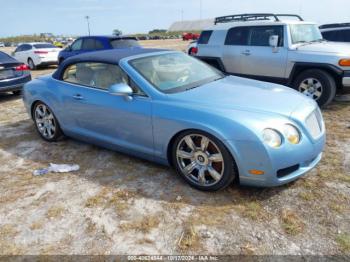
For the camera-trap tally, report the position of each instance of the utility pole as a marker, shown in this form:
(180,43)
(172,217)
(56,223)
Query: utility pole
(88,23)
(200,9)
(182,15)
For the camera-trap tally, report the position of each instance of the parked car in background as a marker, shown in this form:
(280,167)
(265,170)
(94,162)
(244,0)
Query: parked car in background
(190,36)
(13,74)
(336,32)
(268,48)
(37,54)
(2,44)
(171,108)
(192,48)
(94,43)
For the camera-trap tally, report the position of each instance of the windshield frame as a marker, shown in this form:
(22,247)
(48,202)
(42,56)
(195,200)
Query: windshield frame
(292,35)
(178,89)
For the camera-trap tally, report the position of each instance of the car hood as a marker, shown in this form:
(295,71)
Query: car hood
(236,93)
(326,47)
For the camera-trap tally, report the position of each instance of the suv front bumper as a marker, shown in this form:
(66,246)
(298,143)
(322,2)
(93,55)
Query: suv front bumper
(346,79)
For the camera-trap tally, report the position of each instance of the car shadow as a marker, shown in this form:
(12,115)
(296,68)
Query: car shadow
(119,171)
(5,97)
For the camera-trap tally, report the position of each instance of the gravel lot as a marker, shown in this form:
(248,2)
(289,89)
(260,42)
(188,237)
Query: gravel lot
(118,204)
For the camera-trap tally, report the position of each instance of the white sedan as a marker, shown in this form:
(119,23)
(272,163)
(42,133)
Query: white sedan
(37,54)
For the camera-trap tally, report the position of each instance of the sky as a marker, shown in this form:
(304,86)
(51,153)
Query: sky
(18,17)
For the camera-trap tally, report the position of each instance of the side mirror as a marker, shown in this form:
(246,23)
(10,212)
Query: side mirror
(273,41)
(121,89)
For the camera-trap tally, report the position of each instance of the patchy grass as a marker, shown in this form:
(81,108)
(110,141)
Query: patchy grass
(37,225)
(253,210)
(55,212)
(108,198)
(343,241)
(145,225)
(189,239)
(8,230)
(291,222)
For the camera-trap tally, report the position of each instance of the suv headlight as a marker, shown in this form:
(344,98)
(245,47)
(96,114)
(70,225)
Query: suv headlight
(292,134)
(272,138)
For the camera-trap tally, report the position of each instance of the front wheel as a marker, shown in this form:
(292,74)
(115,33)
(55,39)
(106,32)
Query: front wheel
(203,161)
(46,123)
(316,84)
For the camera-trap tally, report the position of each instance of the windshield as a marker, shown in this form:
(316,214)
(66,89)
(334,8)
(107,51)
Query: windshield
(44,46)
(305,33)
(175,72)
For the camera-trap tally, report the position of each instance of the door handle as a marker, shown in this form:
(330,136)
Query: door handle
(246,52)
(78,97)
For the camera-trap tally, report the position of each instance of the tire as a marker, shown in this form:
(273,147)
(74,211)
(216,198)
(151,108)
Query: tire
(31,64)
(316,84)
(46,123)
(211,169)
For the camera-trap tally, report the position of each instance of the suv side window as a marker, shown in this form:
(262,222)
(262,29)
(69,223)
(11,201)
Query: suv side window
(330,35)
(88,44)
(98,44)
(77,45)
(204,37)
(260,35)
(237,36)
(346,34)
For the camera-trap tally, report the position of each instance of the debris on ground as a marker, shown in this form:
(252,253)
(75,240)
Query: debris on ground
(56,168)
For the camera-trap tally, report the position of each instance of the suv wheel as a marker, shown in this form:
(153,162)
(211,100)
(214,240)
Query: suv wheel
(203,161)
(316,84)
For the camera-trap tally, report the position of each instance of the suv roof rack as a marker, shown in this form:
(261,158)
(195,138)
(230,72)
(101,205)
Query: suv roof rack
(334,25)
(252,17)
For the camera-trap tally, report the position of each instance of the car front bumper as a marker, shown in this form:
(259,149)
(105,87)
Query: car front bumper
(280,166)
(14,84)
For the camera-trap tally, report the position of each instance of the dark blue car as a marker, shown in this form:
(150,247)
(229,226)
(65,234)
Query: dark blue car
(94,43)
(13,74)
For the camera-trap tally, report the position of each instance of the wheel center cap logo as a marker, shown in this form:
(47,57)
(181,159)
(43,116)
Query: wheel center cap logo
(201,159)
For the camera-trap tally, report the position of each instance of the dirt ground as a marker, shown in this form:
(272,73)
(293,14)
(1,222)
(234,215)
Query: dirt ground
(116,204)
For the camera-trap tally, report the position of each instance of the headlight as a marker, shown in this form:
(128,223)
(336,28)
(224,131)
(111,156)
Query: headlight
(292,134)
(272,138)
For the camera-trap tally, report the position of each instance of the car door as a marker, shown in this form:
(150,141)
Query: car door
(100,116)
(235,44)
(262,60)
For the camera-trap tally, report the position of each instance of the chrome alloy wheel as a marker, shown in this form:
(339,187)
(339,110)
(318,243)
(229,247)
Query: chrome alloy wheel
(312,88)
(45,121)
(200,159)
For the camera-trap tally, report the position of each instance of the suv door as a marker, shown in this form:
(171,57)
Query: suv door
(235,44)
(260,59)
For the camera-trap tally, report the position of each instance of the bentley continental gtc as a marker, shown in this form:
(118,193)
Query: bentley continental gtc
(168,107)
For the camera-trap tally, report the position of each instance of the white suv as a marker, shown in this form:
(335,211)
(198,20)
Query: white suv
(290,52)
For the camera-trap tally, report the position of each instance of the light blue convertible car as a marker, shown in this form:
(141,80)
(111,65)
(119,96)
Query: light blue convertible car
(168,107)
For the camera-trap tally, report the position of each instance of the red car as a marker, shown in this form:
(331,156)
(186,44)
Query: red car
(190,36)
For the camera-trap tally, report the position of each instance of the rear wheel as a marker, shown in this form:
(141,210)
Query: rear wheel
(31,64)
(316,84)
(46,123)
(203,161)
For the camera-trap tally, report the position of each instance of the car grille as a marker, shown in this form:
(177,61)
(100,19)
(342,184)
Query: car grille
(314,123)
